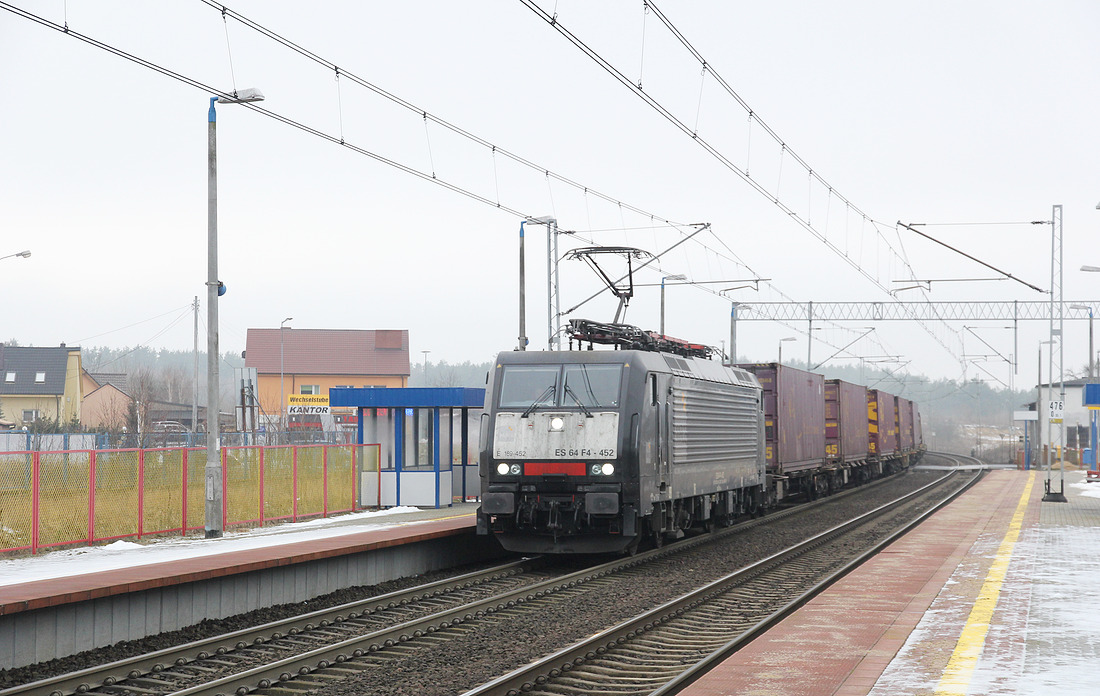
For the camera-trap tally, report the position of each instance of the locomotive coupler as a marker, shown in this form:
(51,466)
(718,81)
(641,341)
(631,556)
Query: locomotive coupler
(553,520)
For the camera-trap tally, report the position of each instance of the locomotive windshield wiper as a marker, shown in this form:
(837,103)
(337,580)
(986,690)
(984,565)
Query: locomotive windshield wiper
(587,413)
(545,393)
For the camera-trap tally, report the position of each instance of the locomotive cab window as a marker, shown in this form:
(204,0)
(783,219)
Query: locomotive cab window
(571,386)
(527,385)
(593,386)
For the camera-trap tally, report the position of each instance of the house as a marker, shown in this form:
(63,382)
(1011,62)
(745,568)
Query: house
(312,361)
(106,401)
(40,384)
(1075,415)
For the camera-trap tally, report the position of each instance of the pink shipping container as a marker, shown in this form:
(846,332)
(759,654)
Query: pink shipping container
(918,429)
(846,431)
(905,424)
(794,417)
(881,423)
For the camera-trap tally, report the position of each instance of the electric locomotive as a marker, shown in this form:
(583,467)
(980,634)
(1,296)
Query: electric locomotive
(596,451)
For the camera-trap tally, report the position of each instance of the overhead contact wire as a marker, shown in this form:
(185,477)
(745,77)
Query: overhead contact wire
(274,36)
(713,151)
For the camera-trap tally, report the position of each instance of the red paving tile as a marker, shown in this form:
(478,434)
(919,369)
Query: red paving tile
(842,640)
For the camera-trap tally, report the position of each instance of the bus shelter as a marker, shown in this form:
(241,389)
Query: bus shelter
(427,443)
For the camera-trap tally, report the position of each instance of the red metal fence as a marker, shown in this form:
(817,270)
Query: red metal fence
(51,499)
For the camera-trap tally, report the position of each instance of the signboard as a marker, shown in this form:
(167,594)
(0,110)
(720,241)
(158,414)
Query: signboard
(307,405)
(1090,396)
(1025,415)
(1057,410)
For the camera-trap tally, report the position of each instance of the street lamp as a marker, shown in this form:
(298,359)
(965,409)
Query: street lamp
(781,341)
(425,352)
(282,396)
(214,288)
(1039,411)
(677,276)
(27,253)
(1091,354)
(1093,373)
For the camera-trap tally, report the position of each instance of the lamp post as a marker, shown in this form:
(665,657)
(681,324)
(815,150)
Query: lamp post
(1039,409)
(978,395)
(1093,374)
(282,396)
(781,342)
(425,352)
(1091,354)
(25,253)
(214,288)
(677,276)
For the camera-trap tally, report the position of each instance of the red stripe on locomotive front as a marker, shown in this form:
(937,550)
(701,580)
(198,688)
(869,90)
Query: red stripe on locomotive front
(567,468)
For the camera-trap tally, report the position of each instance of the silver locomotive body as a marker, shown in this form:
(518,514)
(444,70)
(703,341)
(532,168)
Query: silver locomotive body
(591,452)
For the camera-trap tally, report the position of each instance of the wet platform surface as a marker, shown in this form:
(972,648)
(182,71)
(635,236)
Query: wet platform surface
(992,595)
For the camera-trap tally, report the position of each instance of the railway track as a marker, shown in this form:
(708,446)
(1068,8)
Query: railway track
(317,652)
(664,650)
(181,666)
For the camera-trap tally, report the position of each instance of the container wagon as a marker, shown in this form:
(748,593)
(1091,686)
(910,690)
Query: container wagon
(905,425)
(846,427)
(794,427)
(882,433)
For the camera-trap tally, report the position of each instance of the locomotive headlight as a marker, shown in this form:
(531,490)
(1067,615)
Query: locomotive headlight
(516,469)
(557,423)
(596,469)
(502,469)
(608,469)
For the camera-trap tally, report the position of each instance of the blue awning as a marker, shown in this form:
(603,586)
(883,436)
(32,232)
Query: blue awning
(407,397)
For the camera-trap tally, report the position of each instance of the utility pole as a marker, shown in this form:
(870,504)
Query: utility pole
(1057,335)
(733,333)
(195,375)
(522,293)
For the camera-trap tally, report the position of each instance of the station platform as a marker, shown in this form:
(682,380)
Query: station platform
(994,594)
(80,574)
(63,602)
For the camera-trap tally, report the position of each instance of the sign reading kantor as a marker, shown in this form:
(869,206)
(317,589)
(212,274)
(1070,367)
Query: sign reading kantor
(307,405)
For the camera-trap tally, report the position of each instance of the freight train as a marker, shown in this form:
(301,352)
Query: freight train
(600,451)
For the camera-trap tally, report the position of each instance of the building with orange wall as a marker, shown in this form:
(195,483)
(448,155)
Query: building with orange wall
(312,361)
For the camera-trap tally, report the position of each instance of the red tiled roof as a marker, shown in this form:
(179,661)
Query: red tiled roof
(329,351)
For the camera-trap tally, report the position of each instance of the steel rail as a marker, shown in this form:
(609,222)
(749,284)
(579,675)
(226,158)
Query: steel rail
(696,671)
(283,672)
(112,673)
(559,664)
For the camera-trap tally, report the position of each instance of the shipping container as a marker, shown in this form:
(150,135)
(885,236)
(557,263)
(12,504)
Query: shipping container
(918,429)
(905,424)
(846,431)
(794,417)
(881,423)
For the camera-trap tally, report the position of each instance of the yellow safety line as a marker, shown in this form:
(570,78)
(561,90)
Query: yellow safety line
(960,668)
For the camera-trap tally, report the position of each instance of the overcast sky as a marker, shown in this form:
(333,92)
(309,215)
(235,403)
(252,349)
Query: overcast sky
(937,112)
